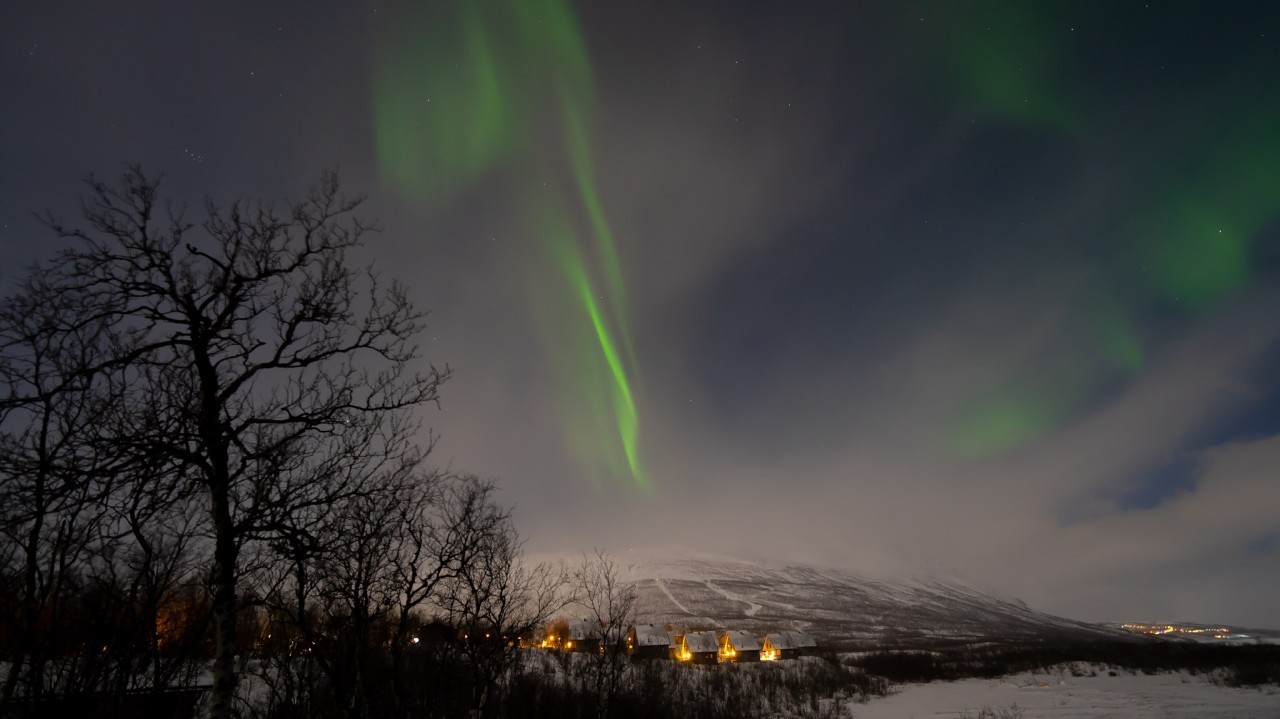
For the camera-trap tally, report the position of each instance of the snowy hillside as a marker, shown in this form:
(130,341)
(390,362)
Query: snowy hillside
(834,605)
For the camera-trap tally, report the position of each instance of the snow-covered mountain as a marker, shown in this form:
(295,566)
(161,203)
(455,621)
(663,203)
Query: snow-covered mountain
(837,606)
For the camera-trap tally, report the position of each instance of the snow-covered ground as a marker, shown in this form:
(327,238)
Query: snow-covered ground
(1063,696)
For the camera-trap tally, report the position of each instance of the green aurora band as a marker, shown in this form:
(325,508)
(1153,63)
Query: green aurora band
(1016,63)
(999,58)
(461,90)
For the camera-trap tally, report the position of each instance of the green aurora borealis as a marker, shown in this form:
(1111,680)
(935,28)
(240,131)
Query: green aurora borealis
(1014,64)
(471,87)
(993,285)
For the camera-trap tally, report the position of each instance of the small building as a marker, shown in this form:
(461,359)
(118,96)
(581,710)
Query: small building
(674,632)
(648,641)
(615,639)
(774,646)
(582,635)
(737,646)
(786,645)
(804,644)
(698,648)
(555,635)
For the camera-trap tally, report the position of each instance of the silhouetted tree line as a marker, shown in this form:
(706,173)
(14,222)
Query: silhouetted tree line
(212,469)
(547,684)
(813,687)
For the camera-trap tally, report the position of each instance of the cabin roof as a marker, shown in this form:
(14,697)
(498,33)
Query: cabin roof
(743,641)
(651,635)
(583,629)
(791,640)
(701,642)
(779,640)
(801,640)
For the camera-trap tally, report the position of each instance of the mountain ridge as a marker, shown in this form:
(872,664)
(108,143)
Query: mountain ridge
(888,605)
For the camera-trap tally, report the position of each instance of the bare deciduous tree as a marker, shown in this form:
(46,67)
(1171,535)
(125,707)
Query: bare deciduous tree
(53,475)
(273,366)
(609,602)
(341,587)
(441,532)
(497,599)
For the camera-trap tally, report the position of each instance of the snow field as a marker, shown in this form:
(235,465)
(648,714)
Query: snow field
(1059,695)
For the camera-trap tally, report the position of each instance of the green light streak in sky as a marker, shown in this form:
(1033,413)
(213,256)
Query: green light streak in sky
(1206,188)
(602,390)
(465,88)
(623,403)
(584,173)
(1000,424)
(1013,416)
(1001,56)
(461,87)
(1119,341)
(1215,213)
(1200,257)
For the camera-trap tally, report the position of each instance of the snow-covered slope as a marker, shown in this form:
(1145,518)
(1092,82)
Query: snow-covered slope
(700,590)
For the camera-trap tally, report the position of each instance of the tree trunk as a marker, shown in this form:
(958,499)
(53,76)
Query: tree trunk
(399,700)
(225,551)
(479,697)
(224,610)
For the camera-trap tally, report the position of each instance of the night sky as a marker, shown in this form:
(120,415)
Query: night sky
(990,287)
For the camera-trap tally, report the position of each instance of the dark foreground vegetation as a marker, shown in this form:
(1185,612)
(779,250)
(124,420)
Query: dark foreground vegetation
(440,670)
(563,685)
